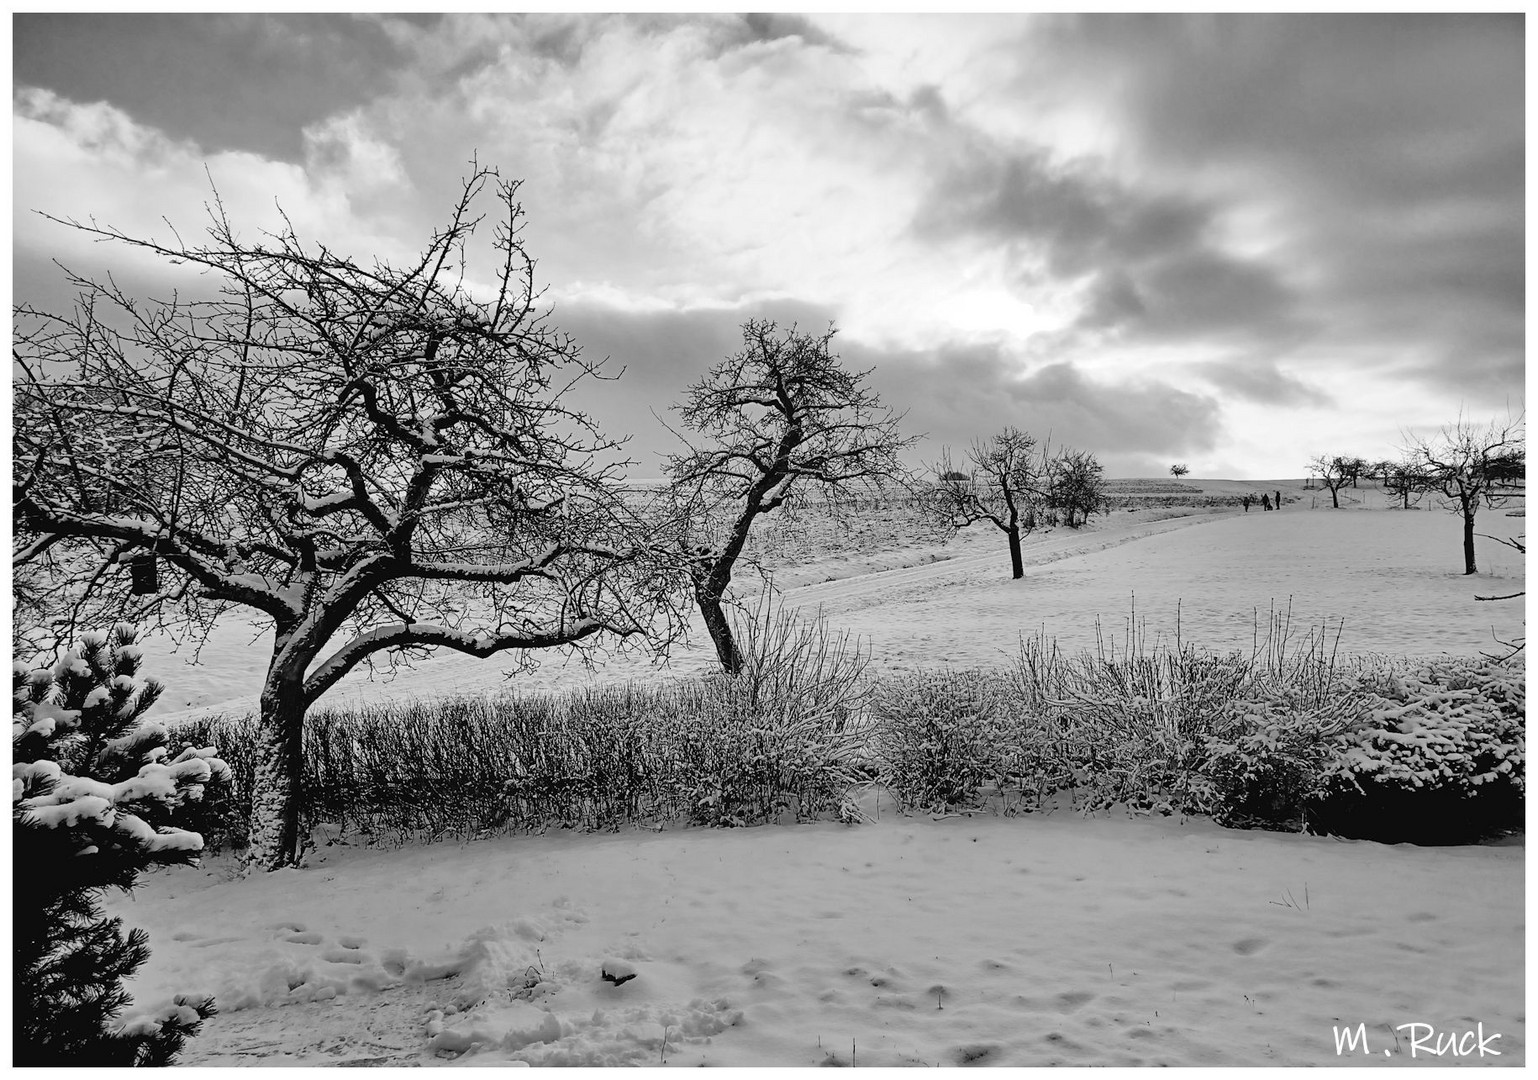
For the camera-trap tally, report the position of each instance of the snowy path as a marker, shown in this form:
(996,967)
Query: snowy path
(1009,941)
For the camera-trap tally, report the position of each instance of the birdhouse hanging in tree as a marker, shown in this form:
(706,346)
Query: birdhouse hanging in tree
(145,577)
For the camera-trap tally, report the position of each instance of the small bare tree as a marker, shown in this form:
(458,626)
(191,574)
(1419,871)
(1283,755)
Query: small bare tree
(779,416)
(369,457)
(1472,465)
(1008,487)
(1402,479)
(1177,471)
(1076,486)
(1335,473)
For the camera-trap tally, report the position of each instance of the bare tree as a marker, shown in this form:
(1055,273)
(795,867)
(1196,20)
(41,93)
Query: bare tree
(1007,487)
(369,457)
(1401,479)
(1471,465)
(1076,485)
(1335,473)
(780,415)
(1355,468)
(1177,471)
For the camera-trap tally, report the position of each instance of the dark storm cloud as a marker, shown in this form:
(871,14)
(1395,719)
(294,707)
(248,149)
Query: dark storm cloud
(1152,268)
(1078,217)
(1200,293)
(563,38)
(1260,381)
(227,82)
(958,393)
(1371,102)
(773,26)
(1112,300)
(1394,143)
(1455,297)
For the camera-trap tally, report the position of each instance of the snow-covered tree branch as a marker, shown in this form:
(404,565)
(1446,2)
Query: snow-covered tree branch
(373,457)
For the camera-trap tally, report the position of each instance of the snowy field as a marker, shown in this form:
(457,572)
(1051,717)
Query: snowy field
(1393,578)
(1046,939)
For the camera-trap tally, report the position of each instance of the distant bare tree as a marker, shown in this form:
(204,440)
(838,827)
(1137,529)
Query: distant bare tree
(1471,465)
(1401,479)
(780,415)
(1355,468)
(1335,473)
(1177,471)
(1075,485)
(369,458)
(1007,487)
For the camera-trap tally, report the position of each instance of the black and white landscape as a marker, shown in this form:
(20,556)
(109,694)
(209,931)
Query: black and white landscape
(1246,293)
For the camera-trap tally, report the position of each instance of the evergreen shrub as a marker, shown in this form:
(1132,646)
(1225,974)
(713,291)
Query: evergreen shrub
(95,794)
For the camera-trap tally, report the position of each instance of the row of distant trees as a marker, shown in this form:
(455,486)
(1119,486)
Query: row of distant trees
(382,460)
(1468,464)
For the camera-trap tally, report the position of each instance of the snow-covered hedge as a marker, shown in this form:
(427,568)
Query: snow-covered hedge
(1290,739)
(779,742)
(942,736)
(1440,756)
(1429,750)
(600,758)
(1449,722)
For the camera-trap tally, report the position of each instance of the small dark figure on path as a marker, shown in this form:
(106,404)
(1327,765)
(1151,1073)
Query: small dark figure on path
(1246,500)
(1278,500)
(1265,502)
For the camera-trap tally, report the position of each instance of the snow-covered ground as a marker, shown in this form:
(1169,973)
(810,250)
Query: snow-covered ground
(1010,941)
(1022,941)
(1393,578)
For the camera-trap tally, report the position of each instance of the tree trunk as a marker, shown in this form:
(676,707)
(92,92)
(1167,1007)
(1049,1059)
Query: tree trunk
(709,589)
(1017,563)
(1335,497)
(720,631)
(275,839)
(1468,538)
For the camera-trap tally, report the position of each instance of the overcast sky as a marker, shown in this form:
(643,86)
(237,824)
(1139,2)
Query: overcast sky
(1235,242)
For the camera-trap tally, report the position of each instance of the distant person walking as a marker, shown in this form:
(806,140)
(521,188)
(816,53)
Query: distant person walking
(1278,500)
(1265,502)
(1246,500)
